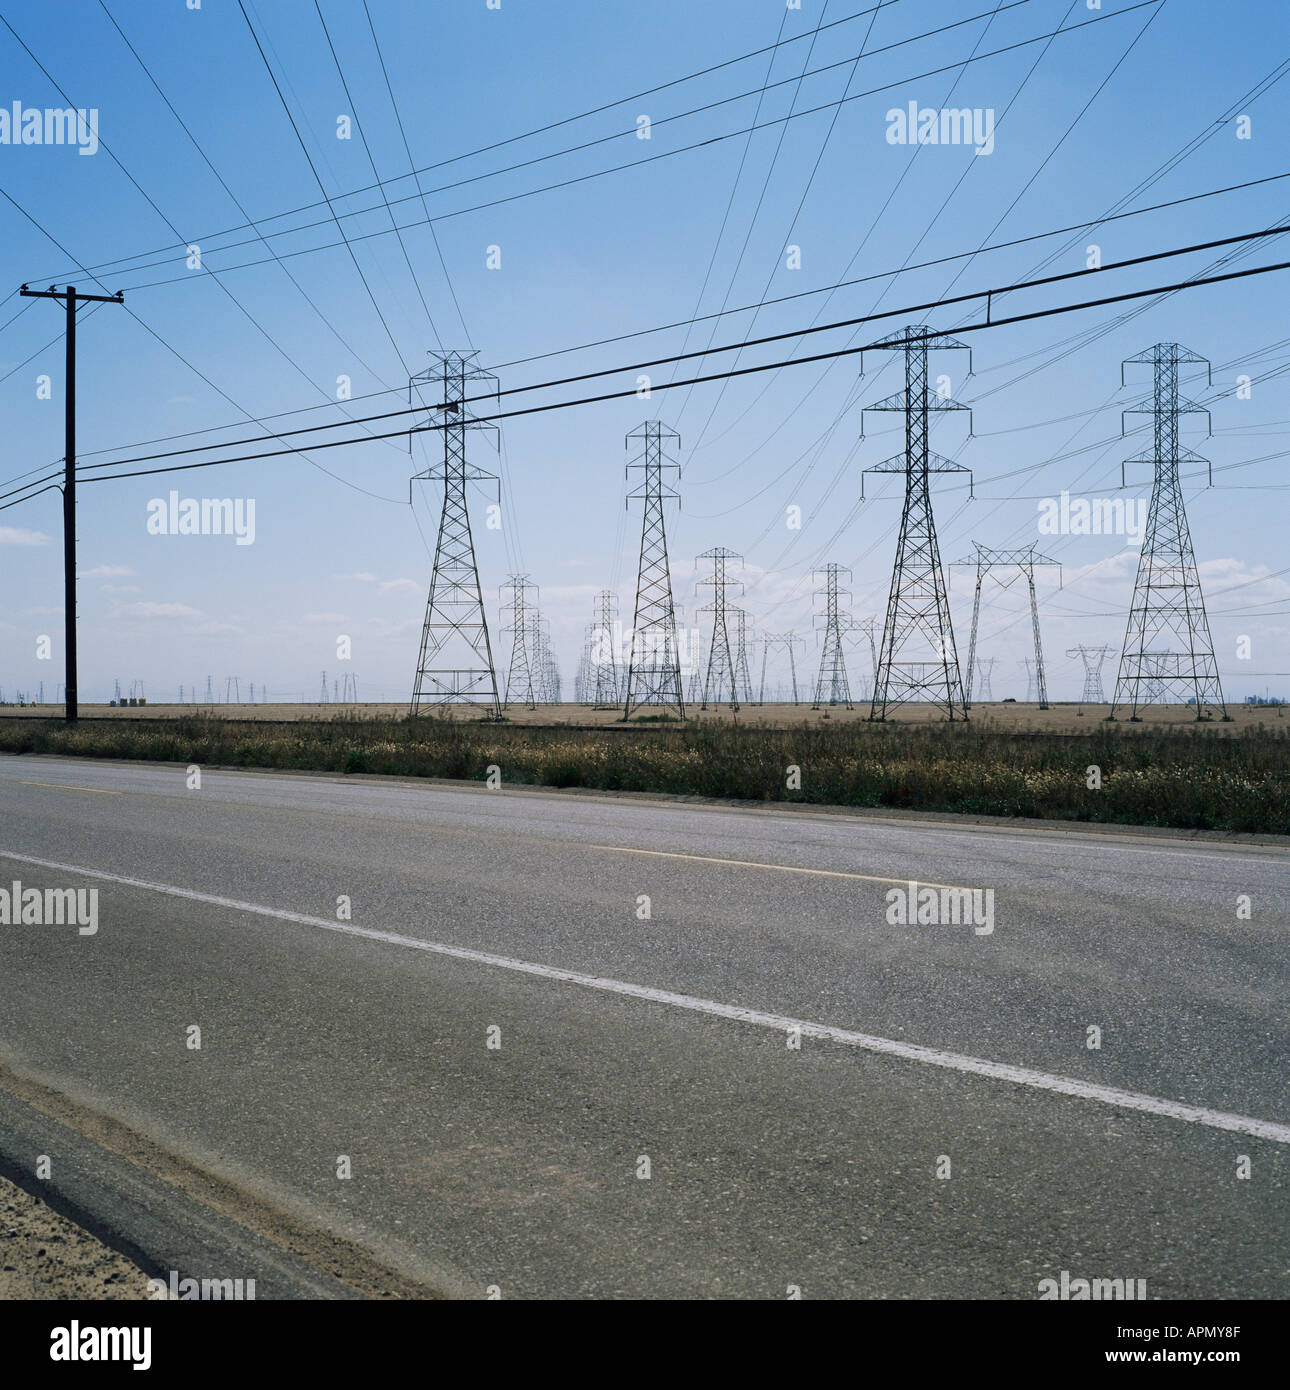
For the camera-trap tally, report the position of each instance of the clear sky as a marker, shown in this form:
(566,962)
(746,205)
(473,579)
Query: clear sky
(1140,106)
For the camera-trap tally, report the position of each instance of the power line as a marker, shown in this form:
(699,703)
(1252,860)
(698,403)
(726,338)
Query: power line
(632,164)
(718,376)
(510,140)
(683,323)
(986,294)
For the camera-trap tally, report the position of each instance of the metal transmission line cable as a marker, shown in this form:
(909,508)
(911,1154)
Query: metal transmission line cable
(313,168)
(635,164)
(1167,647)
(524,135)
(455,665)
(831,685)
(986,560)
(653,663)
(376,173)
(989,324)
(918,660)
(787,640)
(722,668)
(520,685)
(636,367)
(1092,657)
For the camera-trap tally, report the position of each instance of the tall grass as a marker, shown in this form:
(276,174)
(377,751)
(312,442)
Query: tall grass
(1171,776)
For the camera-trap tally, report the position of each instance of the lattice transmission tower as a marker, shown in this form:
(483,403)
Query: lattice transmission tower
(743,640)
(455,664)
(517,612)
(831,685)
(1029,663)
(1168,651)
(918,661)
(983,670)
(868,628)
(787,640)
(607,689)
(721,672)
(1022,562)
(653,663)
(1092,657)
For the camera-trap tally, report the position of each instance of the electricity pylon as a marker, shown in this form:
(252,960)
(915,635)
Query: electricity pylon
(1023,562)
(831,685)
(604,656)
(722,672)
(521,682)
(743,681)
(788,640)
(1028,663)
(653,663)
(918,660)
(868,627)
(983,669)
(1092,657)
(1167,646)
(455,665)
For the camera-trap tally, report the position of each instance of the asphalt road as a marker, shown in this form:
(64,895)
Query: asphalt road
(924,1049)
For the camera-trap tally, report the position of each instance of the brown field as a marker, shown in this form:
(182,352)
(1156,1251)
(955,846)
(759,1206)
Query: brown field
(1020,718)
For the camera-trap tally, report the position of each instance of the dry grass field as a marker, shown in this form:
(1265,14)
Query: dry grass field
(1009,760)
(1067,718)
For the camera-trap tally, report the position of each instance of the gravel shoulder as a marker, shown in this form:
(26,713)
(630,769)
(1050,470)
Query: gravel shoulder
(45,1256)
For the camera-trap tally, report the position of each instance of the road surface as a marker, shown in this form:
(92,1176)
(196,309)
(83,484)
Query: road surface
(491,1007)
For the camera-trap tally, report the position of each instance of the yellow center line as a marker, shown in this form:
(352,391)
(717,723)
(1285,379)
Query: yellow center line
(782,868)
(68,787)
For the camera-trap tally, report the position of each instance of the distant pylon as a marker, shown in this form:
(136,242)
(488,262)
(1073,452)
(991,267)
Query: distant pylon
(743,682)
(722,670)
(606,690)
(521,678)
(1092,657)
(1029,664)
(788,640)
(831,685)
(584,681)
(210,690)
(455,665)
(653,664)
(323,697)
(983,669)
(868,628)
(1024,561)
(1167,647)
(232,691)
(918,660)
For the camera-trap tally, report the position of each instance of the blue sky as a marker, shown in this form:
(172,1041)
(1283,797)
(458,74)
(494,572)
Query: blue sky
(1141,106)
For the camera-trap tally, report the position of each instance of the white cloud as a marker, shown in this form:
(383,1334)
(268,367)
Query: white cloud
(106,572)
(15,535)
(148,610)
(400,586)
(324,618)
(118,588)
(360,577)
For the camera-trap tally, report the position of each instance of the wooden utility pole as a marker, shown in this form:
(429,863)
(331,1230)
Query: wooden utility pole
(71,298)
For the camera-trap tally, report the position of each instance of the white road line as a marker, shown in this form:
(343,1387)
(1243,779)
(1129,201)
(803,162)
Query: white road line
(780,1023)
(780,868)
